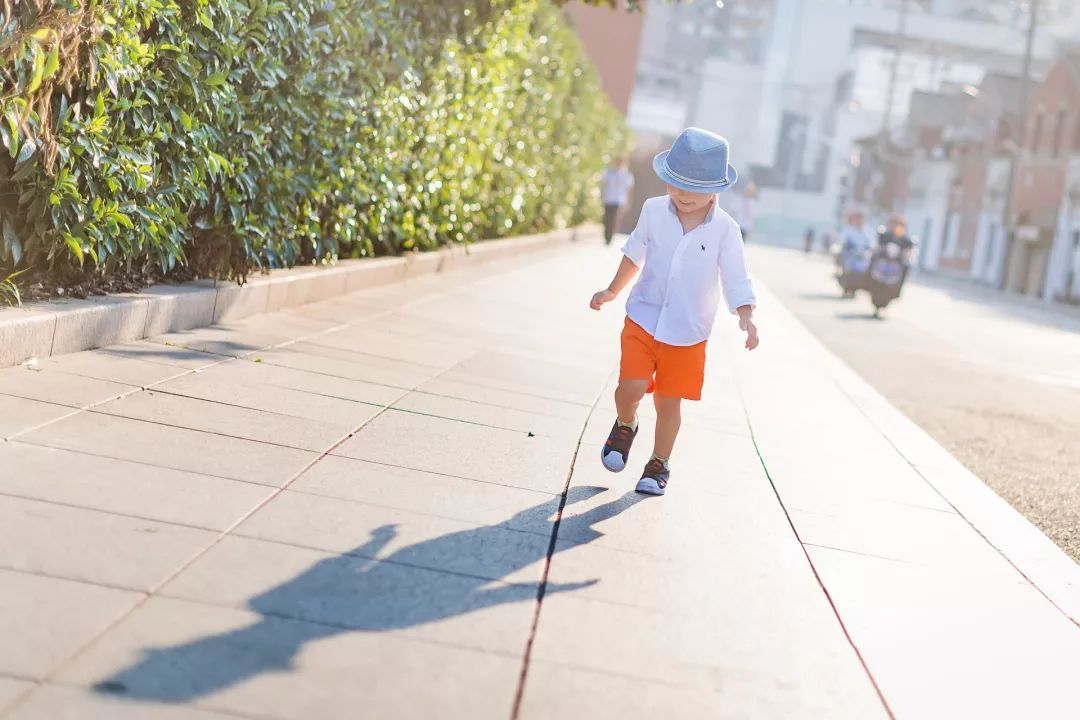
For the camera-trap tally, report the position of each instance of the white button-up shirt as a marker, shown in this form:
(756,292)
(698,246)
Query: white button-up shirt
(677,294)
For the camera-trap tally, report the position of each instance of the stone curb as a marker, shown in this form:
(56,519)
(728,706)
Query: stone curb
(1046,566)
(66,326)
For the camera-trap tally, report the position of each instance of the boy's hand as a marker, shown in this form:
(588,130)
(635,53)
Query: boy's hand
(746,324)
(601,298)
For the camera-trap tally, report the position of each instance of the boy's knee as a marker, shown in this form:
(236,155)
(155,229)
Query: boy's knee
(634,389)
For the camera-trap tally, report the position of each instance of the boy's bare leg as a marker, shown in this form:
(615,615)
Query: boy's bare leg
(668,421)
(627,398)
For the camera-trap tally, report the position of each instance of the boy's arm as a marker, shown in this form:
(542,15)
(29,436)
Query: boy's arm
(626,272)
(738,290)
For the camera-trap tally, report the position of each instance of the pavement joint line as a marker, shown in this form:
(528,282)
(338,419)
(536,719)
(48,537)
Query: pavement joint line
(410,511)
(849,551)
(426,366)
(275,413)
(505,407)
(918,471)
(810,561)
(162,423)
(144,464)
(441,474)
(519,695)
(475,422)
(369,558)
(114,513)
(492,405)
(81,581)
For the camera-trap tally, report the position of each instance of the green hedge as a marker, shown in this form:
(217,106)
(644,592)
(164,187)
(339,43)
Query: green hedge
(229,135)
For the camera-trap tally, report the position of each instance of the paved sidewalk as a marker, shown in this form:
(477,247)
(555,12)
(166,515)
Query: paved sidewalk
(350,510)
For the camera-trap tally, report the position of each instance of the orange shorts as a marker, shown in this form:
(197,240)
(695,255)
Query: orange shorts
(672,370)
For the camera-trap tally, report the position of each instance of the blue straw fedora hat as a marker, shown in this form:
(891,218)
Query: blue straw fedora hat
(696,162)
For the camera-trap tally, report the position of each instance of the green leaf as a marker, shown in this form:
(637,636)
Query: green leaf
(38,71)
(28,149)
(217,79)
(12,244)
(75,247)
(52,63)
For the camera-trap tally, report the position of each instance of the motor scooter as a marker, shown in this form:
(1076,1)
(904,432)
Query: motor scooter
(887,271)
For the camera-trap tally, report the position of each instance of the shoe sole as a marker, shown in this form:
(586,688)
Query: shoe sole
(604,462)
(648,486)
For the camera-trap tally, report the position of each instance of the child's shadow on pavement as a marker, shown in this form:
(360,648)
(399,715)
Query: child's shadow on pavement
(353,593)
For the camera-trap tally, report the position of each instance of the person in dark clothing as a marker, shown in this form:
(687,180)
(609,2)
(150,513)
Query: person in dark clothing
(618,182)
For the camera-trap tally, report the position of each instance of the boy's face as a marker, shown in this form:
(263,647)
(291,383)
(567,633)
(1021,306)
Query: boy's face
(689,202)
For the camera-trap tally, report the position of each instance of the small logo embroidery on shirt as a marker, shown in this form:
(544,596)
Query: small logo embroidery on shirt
(702,248)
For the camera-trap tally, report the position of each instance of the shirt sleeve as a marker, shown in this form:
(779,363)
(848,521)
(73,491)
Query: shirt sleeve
(738,290)
(637,243)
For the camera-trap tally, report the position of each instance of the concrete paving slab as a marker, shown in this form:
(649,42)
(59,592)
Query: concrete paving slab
(93,546)
(425,541)
(239,389)
(525,402)
(715,652)
(356,593)
(227,340)
(430,494)
(933,639)
(124,488)
(351,367)
(887,530)
(432,352)
(172,651)
(560,691)
(173,447)
(11,690)
(54,702)
(230,420)
(164,354)
(18,414)
(510,458)
(48,385)
(486,414)
(112,367)
(43,621)
(263,376)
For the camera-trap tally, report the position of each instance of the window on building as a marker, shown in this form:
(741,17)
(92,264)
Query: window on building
(1059,132)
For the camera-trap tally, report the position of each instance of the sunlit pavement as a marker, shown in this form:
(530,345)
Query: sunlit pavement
(391,505)
(993,377)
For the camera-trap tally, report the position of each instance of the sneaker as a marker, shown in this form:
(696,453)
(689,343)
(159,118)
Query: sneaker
(655,478)
(616,450)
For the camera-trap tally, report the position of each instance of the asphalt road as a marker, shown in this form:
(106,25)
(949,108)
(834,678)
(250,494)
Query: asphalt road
(994,378)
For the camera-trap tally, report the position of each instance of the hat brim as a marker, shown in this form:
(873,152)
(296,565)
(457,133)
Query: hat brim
(660,168)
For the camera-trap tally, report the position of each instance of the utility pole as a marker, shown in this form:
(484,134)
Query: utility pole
(1018,133)
(894,71)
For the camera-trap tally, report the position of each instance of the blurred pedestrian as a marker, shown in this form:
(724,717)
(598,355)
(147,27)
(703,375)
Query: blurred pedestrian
(808,240)
(618,182)
(746,209)
(672,307)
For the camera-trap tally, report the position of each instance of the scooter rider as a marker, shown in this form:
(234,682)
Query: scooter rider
(852,257)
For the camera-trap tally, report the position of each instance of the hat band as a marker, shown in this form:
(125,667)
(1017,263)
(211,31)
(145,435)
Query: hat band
(692,181)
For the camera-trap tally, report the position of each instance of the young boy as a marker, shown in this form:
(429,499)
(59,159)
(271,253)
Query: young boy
(683,245)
